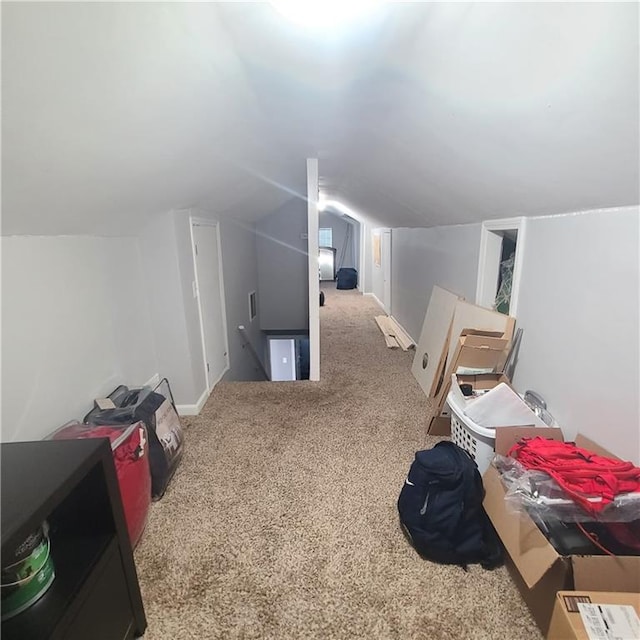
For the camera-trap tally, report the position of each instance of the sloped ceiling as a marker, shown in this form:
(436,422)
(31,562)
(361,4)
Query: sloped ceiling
(422,114)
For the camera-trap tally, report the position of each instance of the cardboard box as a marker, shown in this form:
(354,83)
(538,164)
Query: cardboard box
(566,622)
(439,426)
(538,570)
(440,419)
(475,350)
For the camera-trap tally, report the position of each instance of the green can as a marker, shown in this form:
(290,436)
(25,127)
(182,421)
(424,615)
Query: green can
(28,576)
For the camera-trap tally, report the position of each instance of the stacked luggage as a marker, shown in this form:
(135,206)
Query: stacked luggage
(130,448)
(146,440)
(158,412)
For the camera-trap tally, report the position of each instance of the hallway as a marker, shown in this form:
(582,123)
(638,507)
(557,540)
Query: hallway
(282,522)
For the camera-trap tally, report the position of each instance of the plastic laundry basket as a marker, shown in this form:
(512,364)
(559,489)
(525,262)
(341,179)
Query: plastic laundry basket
(470,436)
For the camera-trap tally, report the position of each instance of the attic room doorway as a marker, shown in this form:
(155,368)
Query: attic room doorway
(500,264)
(208,289)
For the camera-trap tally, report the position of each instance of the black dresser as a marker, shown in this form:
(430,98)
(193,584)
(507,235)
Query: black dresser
(71,484)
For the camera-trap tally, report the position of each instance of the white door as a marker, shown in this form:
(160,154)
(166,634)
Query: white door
(385,259)
(211,300)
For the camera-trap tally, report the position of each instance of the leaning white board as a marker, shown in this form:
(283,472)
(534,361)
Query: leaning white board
(433,338)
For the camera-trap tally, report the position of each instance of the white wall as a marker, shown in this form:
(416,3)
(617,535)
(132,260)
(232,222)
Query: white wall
(172,325)
(240,266)
(75,323)
(422,258)
(579,309)
(169,270)
(283,268)
(186,270)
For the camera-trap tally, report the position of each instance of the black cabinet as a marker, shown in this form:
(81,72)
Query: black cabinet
(72,484)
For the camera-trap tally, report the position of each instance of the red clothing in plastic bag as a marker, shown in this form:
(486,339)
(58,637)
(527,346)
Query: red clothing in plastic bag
(581,473)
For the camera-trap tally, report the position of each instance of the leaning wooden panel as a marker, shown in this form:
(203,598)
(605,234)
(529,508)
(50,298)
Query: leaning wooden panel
(391,329)
(381,324)
(391,342)
(404,340)
(433,338)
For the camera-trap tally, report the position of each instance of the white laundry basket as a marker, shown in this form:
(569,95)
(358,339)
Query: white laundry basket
(478,441)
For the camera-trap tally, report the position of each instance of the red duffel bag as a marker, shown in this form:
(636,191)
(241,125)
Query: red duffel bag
(130,449)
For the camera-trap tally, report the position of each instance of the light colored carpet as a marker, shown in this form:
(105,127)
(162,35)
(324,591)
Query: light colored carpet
(281,521)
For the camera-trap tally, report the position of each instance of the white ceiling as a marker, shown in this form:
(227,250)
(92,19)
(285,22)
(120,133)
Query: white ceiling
(423,114)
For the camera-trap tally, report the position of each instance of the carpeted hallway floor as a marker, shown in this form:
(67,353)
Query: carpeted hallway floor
(281,522)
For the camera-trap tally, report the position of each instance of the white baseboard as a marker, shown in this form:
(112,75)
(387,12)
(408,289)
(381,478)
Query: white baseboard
(219,378)
(195,409)
(396,321)
(375,297)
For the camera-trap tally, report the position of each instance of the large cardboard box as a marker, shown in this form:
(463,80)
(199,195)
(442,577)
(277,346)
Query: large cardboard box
(538,570)
(439,423)
(448,318)
(567,623)
(475,350)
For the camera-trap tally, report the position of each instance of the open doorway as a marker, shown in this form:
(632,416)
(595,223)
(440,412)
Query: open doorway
(500,264)
(339,243)
(208,289)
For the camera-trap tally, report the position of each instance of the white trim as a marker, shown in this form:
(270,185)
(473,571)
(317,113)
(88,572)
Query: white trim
(204,222)
(223,304)
(195,409)
(208,222)
(385,266)
(375,297)
(361,258)
(398,323)
(487,262)
(192,222)
(504,224)
(314,278)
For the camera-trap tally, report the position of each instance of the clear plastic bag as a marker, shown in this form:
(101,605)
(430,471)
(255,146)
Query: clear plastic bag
(539,495)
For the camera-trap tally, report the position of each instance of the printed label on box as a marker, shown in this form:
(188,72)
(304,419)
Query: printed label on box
(610,621)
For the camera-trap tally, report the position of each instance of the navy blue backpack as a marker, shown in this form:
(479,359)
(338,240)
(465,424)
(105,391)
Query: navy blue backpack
(441,510)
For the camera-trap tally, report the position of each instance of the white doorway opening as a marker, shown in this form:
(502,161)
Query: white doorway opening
(209,292)
(500,264)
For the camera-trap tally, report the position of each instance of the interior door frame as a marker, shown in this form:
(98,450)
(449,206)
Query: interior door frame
(385,264)
(489,261)
(208,222)
(313,194)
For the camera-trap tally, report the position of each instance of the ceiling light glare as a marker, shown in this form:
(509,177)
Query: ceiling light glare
(322,14)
